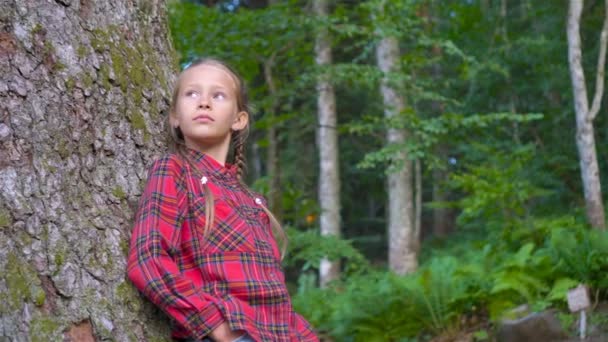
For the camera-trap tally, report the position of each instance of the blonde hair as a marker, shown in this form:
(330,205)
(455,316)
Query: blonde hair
(238,141)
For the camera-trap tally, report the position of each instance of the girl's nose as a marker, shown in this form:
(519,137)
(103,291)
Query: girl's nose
(204,102)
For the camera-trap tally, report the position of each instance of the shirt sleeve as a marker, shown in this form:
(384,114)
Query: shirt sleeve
(304,330)
(156,234)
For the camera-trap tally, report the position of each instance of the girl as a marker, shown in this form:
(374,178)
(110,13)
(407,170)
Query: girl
(202,247)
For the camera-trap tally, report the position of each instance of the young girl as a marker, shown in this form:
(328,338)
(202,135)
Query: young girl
(202,247)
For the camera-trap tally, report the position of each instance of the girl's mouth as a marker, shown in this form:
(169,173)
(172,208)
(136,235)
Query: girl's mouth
(203,117)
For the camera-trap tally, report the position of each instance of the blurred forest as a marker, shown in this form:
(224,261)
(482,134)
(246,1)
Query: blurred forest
(489,118)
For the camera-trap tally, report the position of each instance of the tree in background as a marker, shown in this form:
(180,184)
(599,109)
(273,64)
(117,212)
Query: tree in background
(585,136)
(402,244)
(82,96)
(327,142)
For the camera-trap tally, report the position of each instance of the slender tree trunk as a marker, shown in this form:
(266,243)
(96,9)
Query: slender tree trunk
(504,32)
(274,171)
(585,139)
(441,224)
(82,95)
(327,140)
(401,225)
(272,157)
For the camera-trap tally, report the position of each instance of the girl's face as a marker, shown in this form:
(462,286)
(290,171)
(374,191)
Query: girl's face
(206,109)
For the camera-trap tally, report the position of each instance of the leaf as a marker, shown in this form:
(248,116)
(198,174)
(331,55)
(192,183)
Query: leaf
(560,289)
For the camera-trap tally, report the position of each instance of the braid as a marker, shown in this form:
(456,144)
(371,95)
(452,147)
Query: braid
(240,158)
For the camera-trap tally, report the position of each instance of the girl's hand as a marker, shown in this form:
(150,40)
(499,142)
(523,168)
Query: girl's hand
(223,333)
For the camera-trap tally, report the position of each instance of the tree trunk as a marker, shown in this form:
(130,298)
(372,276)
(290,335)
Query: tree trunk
(585,139)
(441,224)
(272,157)
(441,215)
(274,171)
(82,90)
(327,141)
(401,226)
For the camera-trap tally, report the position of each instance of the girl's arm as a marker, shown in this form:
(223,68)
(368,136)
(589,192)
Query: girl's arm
(155,237)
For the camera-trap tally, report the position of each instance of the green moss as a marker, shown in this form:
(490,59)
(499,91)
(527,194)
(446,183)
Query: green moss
(17,283)
(104,72)
(87,80)
(5,309)
(5,218)
(24,239)
(58,66)
(124,246)
(40,298)
(81,51)
(70,83)
(59,258)
(125,292)
(100,39)
(63,148)
(21,280)
(137,120)
(48,49)
(120,67)
(36,29)
(44,329)
(119,193)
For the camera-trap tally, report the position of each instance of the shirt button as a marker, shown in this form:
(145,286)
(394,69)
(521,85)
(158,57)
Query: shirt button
(258,201)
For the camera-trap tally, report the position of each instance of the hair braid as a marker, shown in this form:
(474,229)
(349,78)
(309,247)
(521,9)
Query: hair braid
(240,158)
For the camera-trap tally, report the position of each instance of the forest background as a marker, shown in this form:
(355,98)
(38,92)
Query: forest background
(493,211)
(487,108)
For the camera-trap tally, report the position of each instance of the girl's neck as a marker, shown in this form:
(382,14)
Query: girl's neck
(218,152)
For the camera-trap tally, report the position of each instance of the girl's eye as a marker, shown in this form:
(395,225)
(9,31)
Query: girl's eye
(219,96)
(191,93)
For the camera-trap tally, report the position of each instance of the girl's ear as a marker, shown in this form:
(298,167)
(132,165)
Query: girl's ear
(240,121)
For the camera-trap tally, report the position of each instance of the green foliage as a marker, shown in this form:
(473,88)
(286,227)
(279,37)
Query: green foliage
(490,277)
(580,254)
(497,190)
(309,248)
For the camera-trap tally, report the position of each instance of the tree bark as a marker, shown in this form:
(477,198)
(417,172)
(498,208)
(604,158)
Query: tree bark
(83,88)
(401,226)
(327,141)
(585,139)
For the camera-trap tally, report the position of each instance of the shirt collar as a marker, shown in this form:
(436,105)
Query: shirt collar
(226,174)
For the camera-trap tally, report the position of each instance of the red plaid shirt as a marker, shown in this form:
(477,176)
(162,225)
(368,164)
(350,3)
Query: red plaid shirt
(234,274)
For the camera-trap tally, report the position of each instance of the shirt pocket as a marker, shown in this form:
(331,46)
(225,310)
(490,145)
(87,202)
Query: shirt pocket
(228,233)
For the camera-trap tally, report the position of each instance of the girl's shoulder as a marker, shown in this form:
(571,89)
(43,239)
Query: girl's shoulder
(169,163)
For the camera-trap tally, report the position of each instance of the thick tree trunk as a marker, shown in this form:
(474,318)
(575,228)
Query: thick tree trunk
(327,141)
(585,139)
(401,223)
(82,89)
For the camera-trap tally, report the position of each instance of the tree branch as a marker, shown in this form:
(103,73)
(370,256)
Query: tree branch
(601,62)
